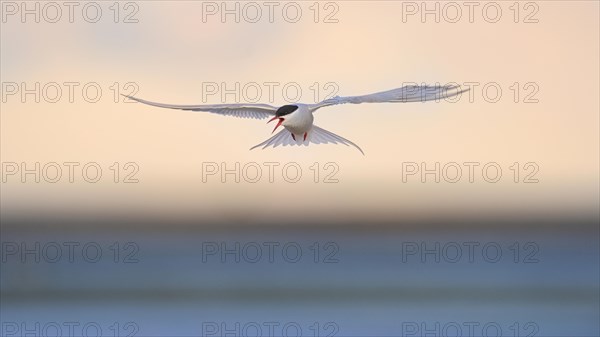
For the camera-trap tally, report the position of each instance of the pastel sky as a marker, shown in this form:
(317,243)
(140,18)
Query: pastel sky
(171,56)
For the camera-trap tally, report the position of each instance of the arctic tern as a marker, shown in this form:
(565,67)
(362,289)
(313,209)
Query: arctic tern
(297,119)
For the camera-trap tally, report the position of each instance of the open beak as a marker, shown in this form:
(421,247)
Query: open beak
(278,123)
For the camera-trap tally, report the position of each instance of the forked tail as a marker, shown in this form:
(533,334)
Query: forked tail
(316,135)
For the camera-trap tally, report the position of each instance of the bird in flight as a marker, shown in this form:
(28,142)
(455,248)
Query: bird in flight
(297,119)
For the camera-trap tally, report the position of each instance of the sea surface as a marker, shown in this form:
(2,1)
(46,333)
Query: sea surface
(300,283)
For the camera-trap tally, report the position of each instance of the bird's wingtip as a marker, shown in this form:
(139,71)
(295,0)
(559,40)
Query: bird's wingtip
(129,97)
(359,149)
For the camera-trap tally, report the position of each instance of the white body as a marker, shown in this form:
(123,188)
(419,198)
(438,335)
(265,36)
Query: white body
(299,121)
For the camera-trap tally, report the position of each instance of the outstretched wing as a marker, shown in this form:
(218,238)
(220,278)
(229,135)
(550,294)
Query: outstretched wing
(406,94)
(257,111)
(316,135)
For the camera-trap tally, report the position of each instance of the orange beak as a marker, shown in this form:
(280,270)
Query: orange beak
(278,123)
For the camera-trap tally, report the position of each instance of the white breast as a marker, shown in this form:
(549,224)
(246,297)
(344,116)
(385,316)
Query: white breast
(299,121)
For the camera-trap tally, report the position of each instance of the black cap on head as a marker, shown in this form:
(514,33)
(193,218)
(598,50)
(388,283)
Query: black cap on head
(286,110)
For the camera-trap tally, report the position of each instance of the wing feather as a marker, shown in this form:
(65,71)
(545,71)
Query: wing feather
(405,94)
(242,110)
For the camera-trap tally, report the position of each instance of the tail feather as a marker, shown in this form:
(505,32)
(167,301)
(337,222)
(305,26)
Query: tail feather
(283,137)
(316,135)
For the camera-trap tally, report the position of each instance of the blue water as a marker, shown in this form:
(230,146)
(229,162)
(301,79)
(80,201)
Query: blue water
(324,283)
